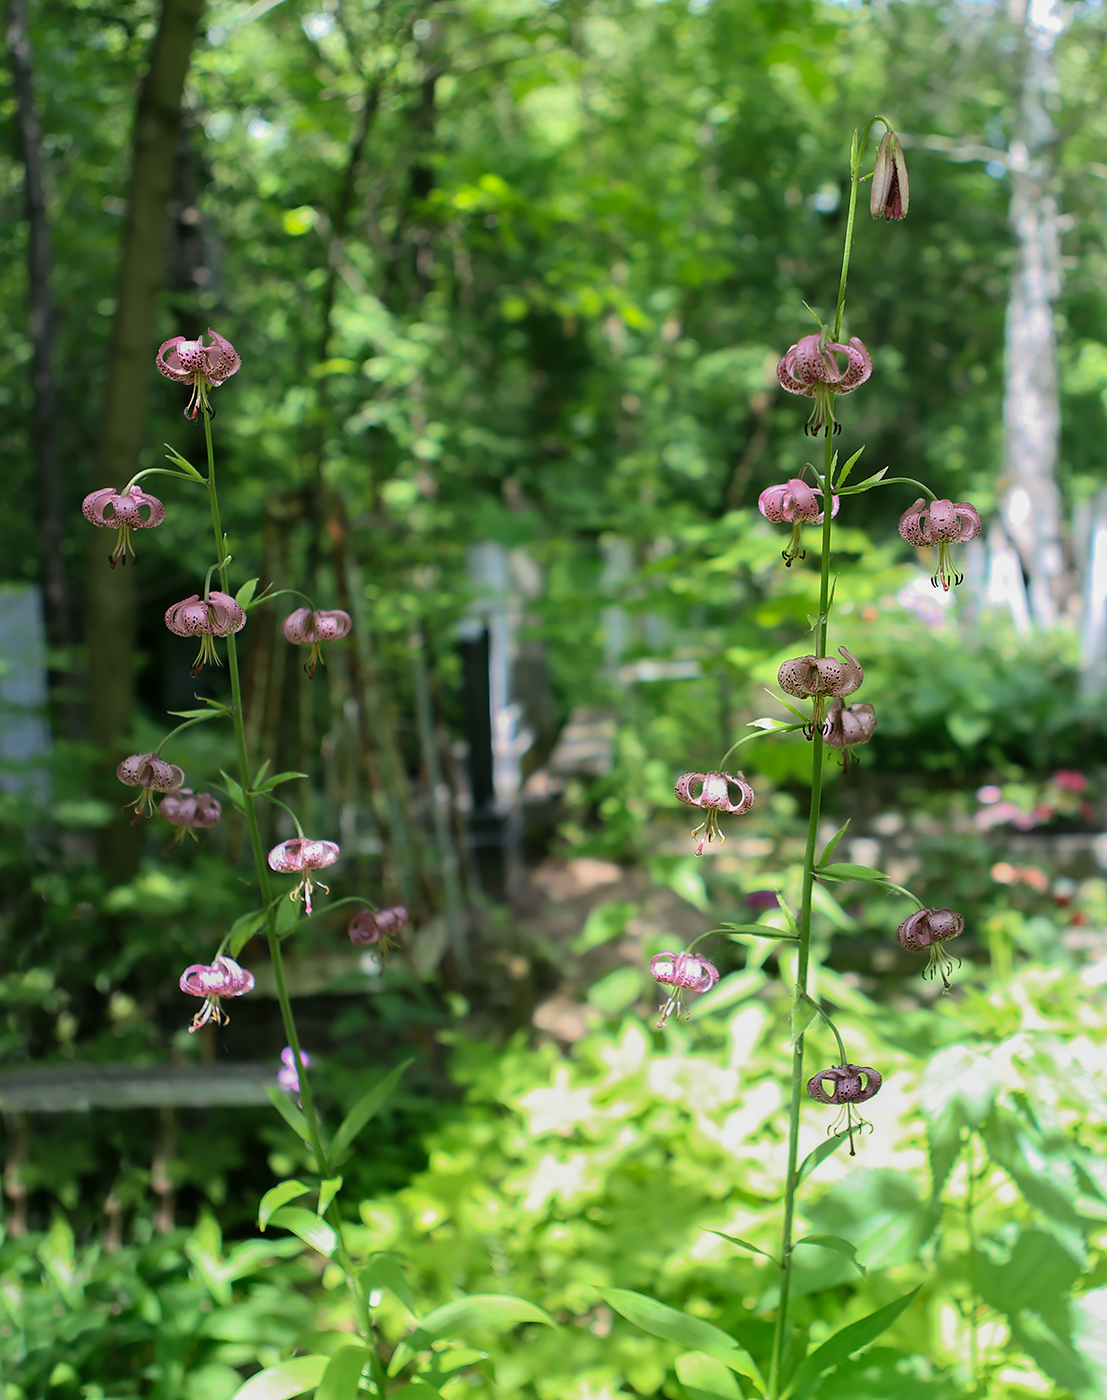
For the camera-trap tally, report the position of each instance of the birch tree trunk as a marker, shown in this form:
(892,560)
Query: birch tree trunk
(111,593)
(1030,501)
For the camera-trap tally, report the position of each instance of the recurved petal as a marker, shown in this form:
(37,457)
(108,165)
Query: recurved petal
(912,523)
(169,361)
(223,359)
(858,369)
(969,518)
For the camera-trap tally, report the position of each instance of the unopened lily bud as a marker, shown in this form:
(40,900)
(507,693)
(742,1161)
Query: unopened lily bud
(890,193)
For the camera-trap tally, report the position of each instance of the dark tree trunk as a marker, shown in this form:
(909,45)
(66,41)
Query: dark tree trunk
(111,593)
(52,495)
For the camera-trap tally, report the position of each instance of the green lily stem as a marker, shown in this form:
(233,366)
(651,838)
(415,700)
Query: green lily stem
(307,1100)
(833,1027)
(856,156)
(780,1333)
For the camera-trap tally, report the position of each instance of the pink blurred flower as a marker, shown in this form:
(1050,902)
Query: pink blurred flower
(306,627)
(300,857)
(686,972)
(217,615)
(288,1076)
(811,368)
(370,926)
(190,812)
(1071,781)
(122,511)
(890,194)
(205,367)
(224,978)
(151,773)
(940,523)
(847,726)
(794,502)
(714,797)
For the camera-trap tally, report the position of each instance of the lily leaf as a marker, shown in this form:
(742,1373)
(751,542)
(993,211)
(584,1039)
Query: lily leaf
(849,466)
(829,850)
(307,1226)
(278,1196)
(364,1109)
(846,871)
(820,1154)
(843,1344)
(745,1244)
(835,1243)
(659,1320)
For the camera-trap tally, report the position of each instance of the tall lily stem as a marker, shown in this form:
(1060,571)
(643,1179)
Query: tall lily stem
(307,1101)
(818,755)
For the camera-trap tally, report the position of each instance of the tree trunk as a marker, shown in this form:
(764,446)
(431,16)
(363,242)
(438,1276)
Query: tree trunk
(52,496)
(1030,502)
(111,593)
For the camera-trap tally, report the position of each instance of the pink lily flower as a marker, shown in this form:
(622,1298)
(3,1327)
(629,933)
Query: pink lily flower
(205,367)
(288,1076)
(224,978)
(217,615)
(370,927)
(306,627)
(300,857)
(846,726)
(190,812)
(713,797)
(810,369)
(686,972)
(942,523)
(795,502)
(122,510)
(928,929)
(151,773)
(846,1090)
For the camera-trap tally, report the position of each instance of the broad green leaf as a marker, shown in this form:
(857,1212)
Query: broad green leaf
(416,1389)
(844,1343)
(281,1382)
(496,1310)
(819,1156)
(835,1243)
(1054,1354)
(340,1379)
(328,1190)
(605,922)
(846,871)
(243,929)
(385,1271)
(745,1244)
(245,595)
(364,1109)
(278,1196)
(659,1320)
(251,1255)
(704,1378)
(307,1226)
(261,788)
(828,850)
(804,1012)
(1038,1271)
(234,791)
(290,1113)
